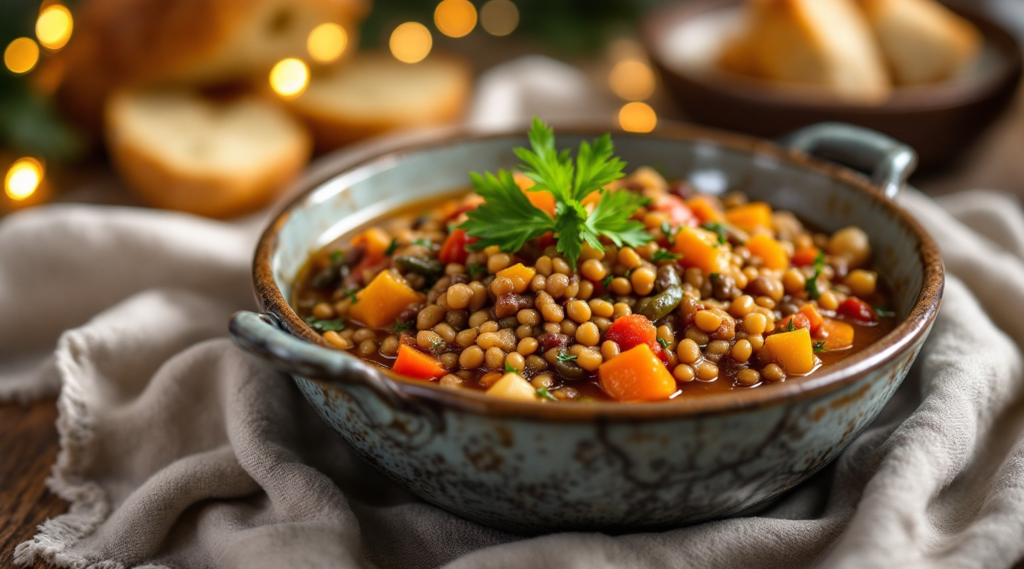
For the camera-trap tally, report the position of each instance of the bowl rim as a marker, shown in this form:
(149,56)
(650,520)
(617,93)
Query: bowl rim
(926,98)
(908,333)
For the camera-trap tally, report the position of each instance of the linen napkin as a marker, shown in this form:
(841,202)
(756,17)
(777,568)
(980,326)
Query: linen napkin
(178,450)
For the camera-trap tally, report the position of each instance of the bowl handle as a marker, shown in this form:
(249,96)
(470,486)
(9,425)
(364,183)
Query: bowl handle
(888,161)
(407,422)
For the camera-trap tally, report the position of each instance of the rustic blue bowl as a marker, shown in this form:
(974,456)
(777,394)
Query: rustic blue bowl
(535,467)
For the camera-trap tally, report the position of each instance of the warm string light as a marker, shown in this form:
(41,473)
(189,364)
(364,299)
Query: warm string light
(23,178)
(499,17)
(632,80)
(637,117)
(327,42)
(455,18)
(21,55)
(53,28)
(410,42)
(289,77)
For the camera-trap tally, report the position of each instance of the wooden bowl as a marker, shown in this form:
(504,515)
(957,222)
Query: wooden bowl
(939,121)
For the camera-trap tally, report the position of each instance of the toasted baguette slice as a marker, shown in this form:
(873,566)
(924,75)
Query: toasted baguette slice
(923,41)
(181,151)
(130,43)
(375,93)
(817,42)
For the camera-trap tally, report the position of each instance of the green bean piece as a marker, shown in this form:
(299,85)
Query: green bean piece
(420,265)
(569,369)
(663,303)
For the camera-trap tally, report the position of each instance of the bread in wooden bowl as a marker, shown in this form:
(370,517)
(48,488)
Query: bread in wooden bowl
(823,43)
(923,41)
(180,150)
(373,93)
(126,43)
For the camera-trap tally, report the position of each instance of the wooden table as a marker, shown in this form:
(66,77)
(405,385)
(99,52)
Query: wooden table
(29,445)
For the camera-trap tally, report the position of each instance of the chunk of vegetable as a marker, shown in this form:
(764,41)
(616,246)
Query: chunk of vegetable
(375,240)
(678,212)
(798,320)
(637,375)
(858,310)
(750,217)
(631,331)
(383,300)
(813,316)
(706,209)
(792,350)
(454,248)
(805,256)
(414,363)
(700,248)
(771,252)
(838,335)
(520,276)
(513,387)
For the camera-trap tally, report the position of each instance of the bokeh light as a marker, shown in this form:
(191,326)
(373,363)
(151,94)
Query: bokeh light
(21,55)
(637,117)
(455,18)
(53,28)
(327,42)
(632,80)
(23,178)
(411,42)
(289,77)
(499,17)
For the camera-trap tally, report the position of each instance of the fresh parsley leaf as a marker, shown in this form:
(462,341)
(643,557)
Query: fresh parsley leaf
(790,327)
(399,326)
(719,229)
(335,255)
(819,263)
(811,286)
(475,269)
(664,343)
(439,343)
(392,247)
(351,295)
(565,357)
(670,233)
(320,325)
(423,242)
(543,393)
(607,281)
(665,255)
(820,346)
(508,219)
(510,369)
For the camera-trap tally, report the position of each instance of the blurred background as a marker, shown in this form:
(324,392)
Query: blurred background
(213,106)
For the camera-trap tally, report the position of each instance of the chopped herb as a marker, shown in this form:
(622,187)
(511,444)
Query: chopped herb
(664,343)
(820,346)
(663,255)
(423,242)
(392,247)
(351,295)
(510,369)
(564,357)
(335,255)
(542,393)
(508,219)
(719,229)
(882,312)
(819,263)
(475,269)
(790,327)
(607,281)
(399,326)
(439,343)
(320,325)
(811,286)
(670,234)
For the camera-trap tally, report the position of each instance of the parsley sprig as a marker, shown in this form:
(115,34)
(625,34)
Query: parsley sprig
(508,219)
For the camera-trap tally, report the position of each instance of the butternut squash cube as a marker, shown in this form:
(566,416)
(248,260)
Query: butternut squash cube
(519,275)
(750,217)
(700,248)
(380,303)
(771,252)
(793,351)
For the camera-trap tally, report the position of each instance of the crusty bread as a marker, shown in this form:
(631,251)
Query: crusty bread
(923,41)
(818,42)
(375,93)
(182,151)
(125,43)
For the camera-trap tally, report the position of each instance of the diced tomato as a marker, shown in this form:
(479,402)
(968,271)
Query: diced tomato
(805,256)
(858,310)
(631,331)
(454,248)
(414,363)
(799,320)
(679,213)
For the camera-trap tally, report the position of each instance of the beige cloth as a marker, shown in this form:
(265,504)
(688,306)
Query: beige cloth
(178,451)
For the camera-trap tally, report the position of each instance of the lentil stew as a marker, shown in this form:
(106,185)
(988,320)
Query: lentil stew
(575,282)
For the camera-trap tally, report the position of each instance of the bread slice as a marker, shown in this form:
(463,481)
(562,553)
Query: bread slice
(130,43)
(817,42)
(375,93)
(182,151)
(923,41)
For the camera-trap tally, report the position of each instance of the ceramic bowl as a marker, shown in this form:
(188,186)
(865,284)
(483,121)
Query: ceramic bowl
(939,121)
(537,467)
